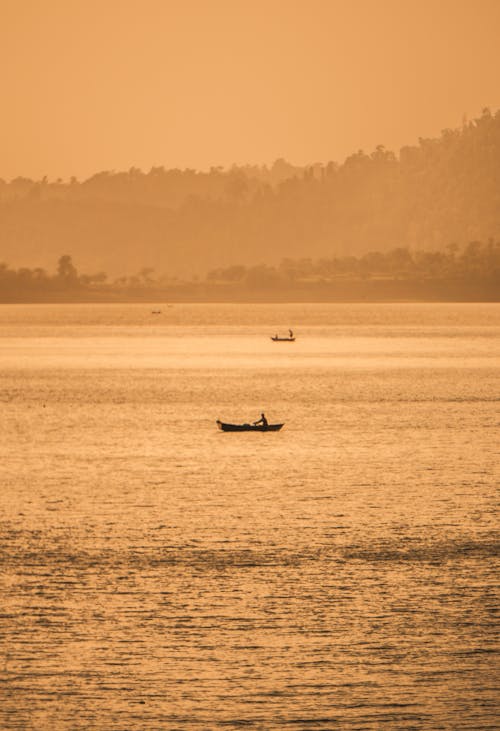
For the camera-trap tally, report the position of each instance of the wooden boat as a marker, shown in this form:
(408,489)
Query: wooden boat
(276,339)
(247,427)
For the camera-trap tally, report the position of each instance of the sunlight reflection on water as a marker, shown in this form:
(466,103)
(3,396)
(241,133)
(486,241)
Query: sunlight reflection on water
(160,574)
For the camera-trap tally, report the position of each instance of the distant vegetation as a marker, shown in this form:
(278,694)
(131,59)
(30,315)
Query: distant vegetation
(472,273)
(183,222)
(477,261)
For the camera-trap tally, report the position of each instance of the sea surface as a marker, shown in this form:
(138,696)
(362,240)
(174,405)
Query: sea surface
(158,574)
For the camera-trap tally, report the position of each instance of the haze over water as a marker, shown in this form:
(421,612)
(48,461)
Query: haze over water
(159,574)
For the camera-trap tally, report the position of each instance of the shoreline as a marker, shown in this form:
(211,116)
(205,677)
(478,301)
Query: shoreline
(166,301)
(320,292)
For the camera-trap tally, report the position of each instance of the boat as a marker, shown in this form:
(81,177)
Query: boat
(247,427)
(290,339)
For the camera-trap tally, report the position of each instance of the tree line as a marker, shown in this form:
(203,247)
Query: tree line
(476,264)
(439,191)
(476,261)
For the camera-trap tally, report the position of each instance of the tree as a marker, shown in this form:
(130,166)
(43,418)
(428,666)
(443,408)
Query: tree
(66,270)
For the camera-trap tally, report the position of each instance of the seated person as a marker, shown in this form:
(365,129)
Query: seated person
(262,421)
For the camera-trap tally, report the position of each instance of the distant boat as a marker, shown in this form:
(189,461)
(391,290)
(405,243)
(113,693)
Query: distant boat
(247,427)
(289,339)
(156,312)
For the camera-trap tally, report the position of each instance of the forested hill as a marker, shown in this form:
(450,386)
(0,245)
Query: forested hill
(442,191)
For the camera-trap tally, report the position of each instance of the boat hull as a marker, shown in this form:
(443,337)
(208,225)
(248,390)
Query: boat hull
(248,427)
(283,340)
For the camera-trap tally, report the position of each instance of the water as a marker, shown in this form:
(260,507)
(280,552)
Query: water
(159,574)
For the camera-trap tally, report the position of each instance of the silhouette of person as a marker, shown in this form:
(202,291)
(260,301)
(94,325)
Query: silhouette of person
(262,420)
(291,333)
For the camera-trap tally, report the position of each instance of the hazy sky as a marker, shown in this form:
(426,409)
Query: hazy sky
(90,85)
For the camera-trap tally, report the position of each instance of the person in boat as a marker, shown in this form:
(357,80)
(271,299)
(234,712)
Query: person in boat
(262,421)
(290,332)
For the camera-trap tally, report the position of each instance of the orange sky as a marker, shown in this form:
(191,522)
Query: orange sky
(90,85)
